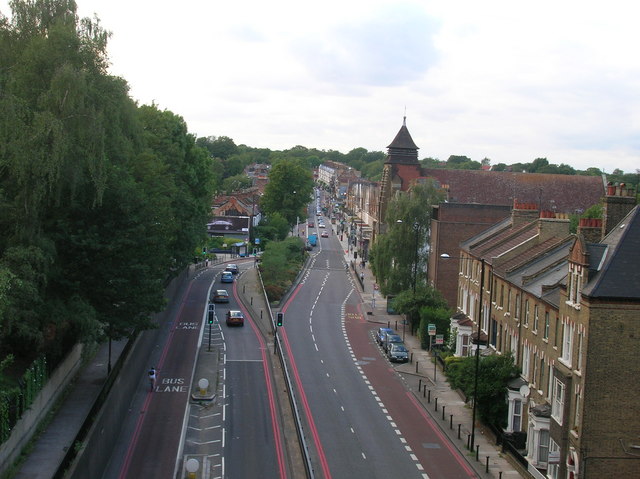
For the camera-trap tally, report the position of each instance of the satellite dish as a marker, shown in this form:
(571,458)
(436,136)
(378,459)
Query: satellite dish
(524,391)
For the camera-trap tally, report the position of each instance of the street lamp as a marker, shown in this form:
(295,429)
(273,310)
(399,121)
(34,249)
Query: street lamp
(477,365)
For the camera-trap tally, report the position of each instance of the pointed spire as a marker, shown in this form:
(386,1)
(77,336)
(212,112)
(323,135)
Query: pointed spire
(402,149)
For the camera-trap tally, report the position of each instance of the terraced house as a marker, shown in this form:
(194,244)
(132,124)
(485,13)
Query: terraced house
(568,308)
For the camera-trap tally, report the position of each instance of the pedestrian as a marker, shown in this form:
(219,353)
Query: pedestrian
(362,276)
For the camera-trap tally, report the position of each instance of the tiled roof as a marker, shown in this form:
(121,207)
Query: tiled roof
(619,276)
(403,139)
(558,193)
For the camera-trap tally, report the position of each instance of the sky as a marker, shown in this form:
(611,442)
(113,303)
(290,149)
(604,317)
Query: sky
(511,81)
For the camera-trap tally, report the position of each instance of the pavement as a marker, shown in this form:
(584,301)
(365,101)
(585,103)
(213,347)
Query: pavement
(421,377)
(427,382)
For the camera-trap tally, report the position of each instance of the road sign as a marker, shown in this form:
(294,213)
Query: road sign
(439,338)
(432,329)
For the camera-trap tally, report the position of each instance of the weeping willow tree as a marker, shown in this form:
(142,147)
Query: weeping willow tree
(400,256)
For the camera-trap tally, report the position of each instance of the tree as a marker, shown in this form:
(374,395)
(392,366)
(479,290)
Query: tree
(235,183)
(423,303)
(494,374)
(288,191)
(401,253)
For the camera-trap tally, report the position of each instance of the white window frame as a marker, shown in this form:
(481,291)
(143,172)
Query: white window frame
(538,439)
(552,469)
(525,361)
(567,341)
(557,402)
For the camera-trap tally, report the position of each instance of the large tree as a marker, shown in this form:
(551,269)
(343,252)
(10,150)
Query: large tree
(399,256)
(288,191)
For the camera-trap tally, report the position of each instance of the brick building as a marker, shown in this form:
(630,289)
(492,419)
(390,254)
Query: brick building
(568,308)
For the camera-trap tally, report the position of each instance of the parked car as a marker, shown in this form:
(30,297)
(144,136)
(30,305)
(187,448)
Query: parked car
(398,353)
(220,296)
(389,339)
(233,268)
(381,333)
(235,318)
(226,277)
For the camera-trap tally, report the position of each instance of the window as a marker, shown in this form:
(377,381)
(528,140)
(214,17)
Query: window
(543,446)
(526,312)
(517,314)
(557,405)
(554,452)
(557,332)
(567,342)
(509,301)
(525,362)
(580,338)
(546,325)
(538,442)
(516,419)
(535,318)
(576,416)
(534,376)
(541,383)
(502,295)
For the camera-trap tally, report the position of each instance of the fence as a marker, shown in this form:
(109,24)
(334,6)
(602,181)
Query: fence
(14,402)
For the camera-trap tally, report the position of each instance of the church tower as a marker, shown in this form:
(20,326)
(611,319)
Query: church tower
(401,167)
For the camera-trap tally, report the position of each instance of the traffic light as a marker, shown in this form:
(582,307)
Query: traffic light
(211,315)
(279,319)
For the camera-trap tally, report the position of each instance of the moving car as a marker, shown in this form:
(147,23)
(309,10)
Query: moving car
(226,277)
(311,224)
(235,318)
(381,333)
(398,353)
(389,339)
(324,234)
(220,296)
(233,268)
(321,225)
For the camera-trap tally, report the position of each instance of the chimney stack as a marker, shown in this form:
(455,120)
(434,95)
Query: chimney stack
(617,203)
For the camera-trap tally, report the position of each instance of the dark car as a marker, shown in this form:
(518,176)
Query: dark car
(226,277)
(220,296)
(235,318)
(381,333)
(233,268)
(398,353)
(389,339)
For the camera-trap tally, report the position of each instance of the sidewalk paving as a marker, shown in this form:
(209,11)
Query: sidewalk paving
(429,386)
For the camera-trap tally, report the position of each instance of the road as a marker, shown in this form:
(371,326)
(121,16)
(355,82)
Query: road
(169,427)
(361,419)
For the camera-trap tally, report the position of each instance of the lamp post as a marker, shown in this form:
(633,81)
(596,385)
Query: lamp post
(416,228)
(477,351)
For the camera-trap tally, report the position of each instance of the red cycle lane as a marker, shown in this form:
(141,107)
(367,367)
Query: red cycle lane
(436,454)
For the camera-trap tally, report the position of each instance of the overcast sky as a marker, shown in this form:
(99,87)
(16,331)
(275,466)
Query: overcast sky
(507,80)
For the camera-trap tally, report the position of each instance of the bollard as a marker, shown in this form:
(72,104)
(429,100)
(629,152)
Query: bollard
(443,412)
(436,404)
(417,366)
(243,288)
(450,421)
(260,314)
(388,324)
(469,441)
(251,300)
(486,467)
(419,384)
(500,475)
(459,430)
(412,356)
(429,400)
(477,452)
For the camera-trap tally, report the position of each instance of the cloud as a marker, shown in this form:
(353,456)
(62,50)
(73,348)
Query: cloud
(389,47)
